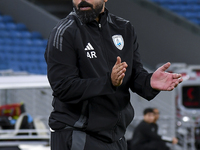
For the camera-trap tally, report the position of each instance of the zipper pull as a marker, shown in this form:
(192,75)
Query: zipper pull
(99,26)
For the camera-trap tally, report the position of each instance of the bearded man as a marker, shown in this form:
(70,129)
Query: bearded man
(93,60)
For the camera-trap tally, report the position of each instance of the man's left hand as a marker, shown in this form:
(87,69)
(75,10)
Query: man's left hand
(165,81)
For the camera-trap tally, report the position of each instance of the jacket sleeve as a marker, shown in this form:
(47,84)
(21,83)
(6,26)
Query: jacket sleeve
(140,79)
(63,73)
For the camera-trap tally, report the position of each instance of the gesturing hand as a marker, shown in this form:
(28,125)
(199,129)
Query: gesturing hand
(118,72)
(165,81)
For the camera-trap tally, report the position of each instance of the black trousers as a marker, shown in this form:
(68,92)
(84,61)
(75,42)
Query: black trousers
(78,140)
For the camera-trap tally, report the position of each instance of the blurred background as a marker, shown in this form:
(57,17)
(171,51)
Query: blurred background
(167,30)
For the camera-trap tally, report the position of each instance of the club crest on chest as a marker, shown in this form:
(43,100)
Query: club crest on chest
(118,41)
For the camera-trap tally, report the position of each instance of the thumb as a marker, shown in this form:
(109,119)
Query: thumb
(118,60)
(165,67)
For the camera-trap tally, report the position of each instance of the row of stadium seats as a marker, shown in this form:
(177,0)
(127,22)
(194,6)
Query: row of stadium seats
(12,26)
(183,7)
(21,49)
(29,42)
(189,9)
(19,34)
(6,18)
(177,1)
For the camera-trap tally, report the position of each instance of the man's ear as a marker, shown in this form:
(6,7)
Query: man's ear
(105,0)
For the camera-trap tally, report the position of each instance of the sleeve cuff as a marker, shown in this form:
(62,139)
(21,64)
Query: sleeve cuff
(151,92)
(110,82)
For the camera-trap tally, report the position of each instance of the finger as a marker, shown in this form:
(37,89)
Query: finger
(121,77)
(120,68)
(118,60)
(170,88)
(125,64)
(119,80)
(165,66)
(177,81)
(121,65)
(121,71)
(176,84)
(176,76)
(180,80)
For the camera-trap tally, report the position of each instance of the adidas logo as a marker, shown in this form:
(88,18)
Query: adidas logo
(90,51)
(89,47)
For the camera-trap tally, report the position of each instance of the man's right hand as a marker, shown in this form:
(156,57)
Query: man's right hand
(118,72)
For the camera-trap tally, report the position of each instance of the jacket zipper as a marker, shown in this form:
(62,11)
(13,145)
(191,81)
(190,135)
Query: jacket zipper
(103,47)
(106,57)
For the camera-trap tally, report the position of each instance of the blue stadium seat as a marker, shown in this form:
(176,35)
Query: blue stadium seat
(3,66)
(1,18)
(15,34)
(196,8)
(7,49)
(14,58)
(26,34)
(15,66)
(34,58)
(195,20)
(190,15)
(26,49)
(172,7)
(8,41)
(4,34)
(17,41)
(17,49)
(1,41)
(43,68)
(21,27)
(33,49)
(11,26)
(41,58)
(166,1)
(45,41)
(25,57)
(36,35)
(27,42)
(7,18)
(191,1)
(1,48)
(40,50)
(2,26)
(37,42)
(35,70)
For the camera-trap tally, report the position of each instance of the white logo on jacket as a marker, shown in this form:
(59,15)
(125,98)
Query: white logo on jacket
(90,51)
(118,41)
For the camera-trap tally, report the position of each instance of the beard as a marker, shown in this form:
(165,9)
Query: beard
(88,15)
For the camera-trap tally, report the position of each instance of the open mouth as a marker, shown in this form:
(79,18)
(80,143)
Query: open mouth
(85,8)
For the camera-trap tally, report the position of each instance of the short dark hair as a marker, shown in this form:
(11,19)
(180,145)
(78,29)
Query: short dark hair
(148,110)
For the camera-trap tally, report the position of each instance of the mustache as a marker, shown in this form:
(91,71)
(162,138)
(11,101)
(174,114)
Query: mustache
(84,4)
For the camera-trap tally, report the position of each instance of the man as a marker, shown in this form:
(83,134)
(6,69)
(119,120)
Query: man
(173,140)
(93,60)
(145,136)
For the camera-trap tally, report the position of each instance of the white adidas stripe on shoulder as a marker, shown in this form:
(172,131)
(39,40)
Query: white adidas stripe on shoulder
(58,38)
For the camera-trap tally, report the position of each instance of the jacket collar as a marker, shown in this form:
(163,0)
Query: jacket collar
(103,17)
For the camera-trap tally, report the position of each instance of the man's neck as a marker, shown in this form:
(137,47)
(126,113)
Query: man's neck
(98,18)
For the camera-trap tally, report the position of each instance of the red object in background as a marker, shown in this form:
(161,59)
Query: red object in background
(190,94)
(12,110)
